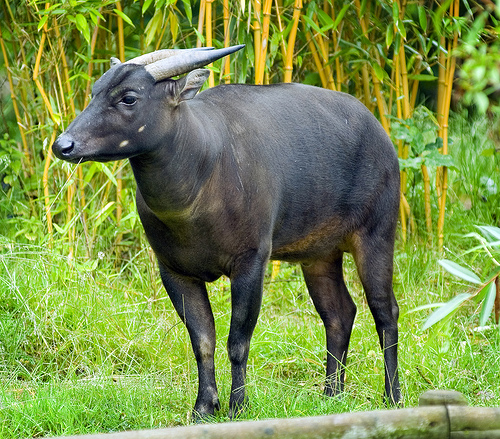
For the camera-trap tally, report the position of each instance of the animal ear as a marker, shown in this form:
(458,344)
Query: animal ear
(114,61)
(190,84)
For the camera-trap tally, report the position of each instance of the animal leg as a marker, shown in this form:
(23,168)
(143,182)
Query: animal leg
(374,260)
(329,294)
(246,296)
(190,300)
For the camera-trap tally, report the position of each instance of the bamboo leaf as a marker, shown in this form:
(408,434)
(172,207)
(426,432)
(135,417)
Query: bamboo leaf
(340,15)
(174,26)
(445,310)
(146,5)
(422,18)
(490,231)
(188,10)
(42,22)
(312,24)
(152,26)
(102,214)
(488,303)
(380,73)
(124,16)
(82,26)
(325,19)
(459,271)
(389,36)
(108,173)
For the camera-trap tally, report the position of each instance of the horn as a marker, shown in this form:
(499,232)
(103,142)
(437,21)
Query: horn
(158,55)
(184,62)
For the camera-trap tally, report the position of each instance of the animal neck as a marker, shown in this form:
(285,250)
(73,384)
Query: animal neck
(171,177)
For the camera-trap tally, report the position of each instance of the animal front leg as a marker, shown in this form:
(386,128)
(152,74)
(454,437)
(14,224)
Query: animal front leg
(246,295)
(190,300)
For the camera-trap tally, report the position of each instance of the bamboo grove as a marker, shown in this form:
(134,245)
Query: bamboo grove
(387,53)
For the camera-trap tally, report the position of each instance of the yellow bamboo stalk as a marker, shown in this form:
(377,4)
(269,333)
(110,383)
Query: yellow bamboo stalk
(324,53)
(445,112)
(427,202)
(257,36)
(121,40)
(65,69)
(209,36)
(41,90)
(46,193)
(399,113)
(89,68)
(38,82)
(338,66)
(266,20)
(444,176)
(227,66)
(279,8)
(201,20)
(297,10)
(317,60)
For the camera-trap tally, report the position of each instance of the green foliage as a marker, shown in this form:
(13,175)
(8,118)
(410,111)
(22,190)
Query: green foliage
(480,73)
(419,133)
(489,239)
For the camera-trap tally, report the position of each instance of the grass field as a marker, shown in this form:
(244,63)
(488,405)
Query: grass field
(85,348)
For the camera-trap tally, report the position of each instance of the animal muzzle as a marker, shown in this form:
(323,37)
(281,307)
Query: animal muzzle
(64,148)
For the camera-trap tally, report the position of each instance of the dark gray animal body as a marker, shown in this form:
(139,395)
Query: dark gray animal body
(242,174)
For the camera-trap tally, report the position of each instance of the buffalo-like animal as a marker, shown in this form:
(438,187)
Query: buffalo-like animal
(238,175)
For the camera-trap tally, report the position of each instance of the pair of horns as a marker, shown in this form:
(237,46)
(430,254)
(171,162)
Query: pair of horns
(163,64)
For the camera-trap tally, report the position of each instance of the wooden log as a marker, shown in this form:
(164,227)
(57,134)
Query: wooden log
(412,423)
(441,397)
(474,422)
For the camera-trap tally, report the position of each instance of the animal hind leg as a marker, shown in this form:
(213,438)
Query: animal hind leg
(329,294)
(373,255)
(190,300)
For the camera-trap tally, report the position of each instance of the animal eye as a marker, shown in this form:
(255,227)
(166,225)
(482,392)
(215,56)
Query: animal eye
(129,100)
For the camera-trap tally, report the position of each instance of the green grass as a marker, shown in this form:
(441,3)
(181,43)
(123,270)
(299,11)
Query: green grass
(85,350)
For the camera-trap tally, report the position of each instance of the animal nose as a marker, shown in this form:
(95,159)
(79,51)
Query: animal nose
(63,146)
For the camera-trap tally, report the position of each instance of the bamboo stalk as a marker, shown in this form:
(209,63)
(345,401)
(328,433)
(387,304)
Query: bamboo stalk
(257,36)
(427,202)
(335,41)
(454,11)
(399,113)
(46,193)
(209,36)
(260,67)
(93,42)
(317,60)
(297,10)
(227,62)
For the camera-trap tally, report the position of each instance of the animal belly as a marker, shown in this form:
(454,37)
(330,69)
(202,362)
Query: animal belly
(317,243)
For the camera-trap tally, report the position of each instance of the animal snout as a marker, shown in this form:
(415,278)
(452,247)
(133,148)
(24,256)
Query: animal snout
(63,146)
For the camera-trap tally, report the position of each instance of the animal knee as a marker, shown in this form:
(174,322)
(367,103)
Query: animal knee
(237,351)
(204,349)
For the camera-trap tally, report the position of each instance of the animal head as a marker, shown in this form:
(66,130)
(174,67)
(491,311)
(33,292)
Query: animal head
(128,114)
